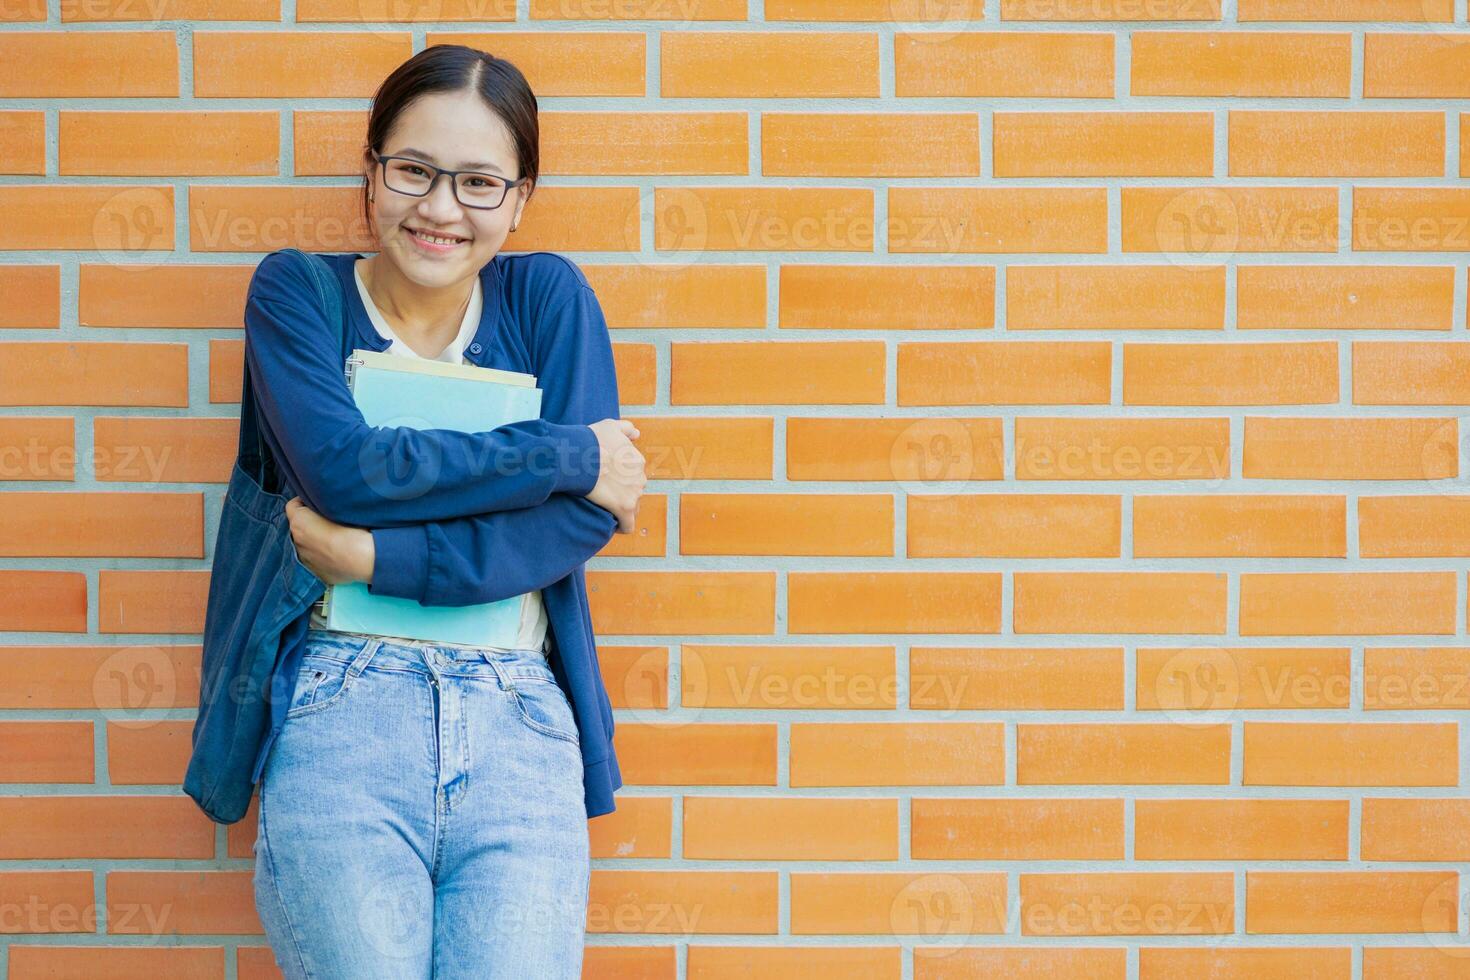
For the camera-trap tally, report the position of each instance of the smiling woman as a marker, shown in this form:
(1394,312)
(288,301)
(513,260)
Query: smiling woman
(439,779)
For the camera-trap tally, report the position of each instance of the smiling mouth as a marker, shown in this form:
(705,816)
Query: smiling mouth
(435,239)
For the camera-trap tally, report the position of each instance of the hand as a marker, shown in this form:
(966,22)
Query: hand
(334,553)
(621,479)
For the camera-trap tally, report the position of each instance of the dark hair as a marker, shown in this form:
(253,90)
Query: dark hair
(456,68)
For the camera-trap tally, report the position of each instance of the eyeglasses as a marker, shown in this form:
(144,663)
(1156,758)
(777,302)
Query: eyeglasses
(416,178)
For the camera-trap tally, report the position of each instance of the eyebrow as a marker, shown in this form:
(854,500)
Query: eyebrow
(477,165)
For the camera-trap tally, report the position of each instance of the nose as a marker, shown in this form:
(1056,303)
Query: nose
(440,204)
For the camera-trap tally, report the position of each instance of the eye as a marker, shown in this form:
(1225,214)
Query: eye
(481,181)
(411,167)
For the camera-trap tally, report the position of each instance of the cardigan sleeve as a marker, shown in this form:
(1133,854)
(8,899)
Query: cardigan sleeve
(385,476)
(490,556)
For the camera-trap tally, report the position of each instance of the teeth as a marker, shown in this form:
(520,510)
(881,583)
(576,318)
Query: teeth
(437,241)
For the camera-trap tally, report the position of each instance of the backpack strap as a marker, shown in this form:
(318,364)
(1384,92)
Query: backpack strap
(329,292)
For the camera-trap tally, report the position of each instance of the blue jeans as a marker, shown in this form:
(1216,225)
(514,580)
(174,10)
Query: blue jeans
(422,816)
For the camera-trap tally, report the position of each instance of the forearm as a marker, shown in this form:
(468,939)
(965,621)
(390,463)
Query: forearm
(487,557)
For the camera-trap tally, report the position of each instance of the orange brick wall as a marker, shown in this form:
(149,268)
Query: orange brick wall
(1054,559)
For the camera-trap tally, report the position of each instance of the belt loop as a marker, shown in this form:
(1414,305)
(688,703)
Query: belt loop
(506,684)
(360,662)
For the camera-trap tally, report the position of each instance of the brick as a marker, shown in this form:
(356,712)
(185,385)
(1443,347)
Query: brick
(1120,903)
(749,64)
(1304,603)
(1416,678)
(1219,220)
(800,677)
(1336,144)
(1241,63)
(850,144)
(1104,144)
(1119,602)
(657,143)
(893,602)
(896,297)
(812,829)
(1003,64)
(1004,373)
(1231,373)
(682,902)
(786,524)
(1017,829)
(1016,679)
(1014,525)
(1240,830)
(977,220)
(1255,525)
(1104,297)
(1350,901)
(777,373)
(1344,297)
(92,64)
(1353,754)
(887,753)
(1221,678)
(897,903)
(700,754)
(1363,448)
(1114,754)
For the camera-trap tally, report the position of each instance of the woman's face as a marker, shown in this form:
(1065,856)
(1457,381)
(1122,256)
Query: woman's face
(457,131)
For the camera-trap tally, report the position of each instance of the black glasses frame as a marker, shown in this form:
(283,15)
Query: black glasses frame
(453,183)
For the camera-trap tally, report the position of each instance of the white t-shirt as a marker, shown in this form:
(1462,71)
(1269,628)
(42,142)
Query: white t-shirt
(533,611)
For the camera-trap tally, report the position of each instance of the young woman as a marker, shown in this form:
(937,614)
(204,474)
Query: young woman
(423,806)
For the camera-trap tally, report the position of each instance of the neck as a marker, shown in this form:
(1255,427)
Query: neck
(418,313)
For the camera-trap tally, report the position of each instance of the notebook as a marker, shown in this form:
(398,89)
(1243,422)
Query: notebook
(421,394)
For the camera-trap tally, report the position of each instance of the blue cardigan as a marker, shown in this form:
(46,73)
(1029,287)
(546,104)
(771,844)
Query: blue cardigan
(457,518)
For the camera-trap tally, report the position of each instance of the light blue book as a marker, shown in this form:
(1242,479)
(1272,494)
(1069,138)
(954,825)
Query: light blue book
(420,394)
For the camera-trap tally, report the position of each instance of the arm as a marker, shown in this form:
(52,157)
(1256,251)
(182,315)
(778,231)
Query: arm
(385,476)
(485,557)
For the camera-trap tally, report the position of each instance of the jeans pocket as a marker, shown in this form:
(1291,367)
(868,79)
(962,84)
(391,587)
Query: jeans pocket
(545,709)
(323,682)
